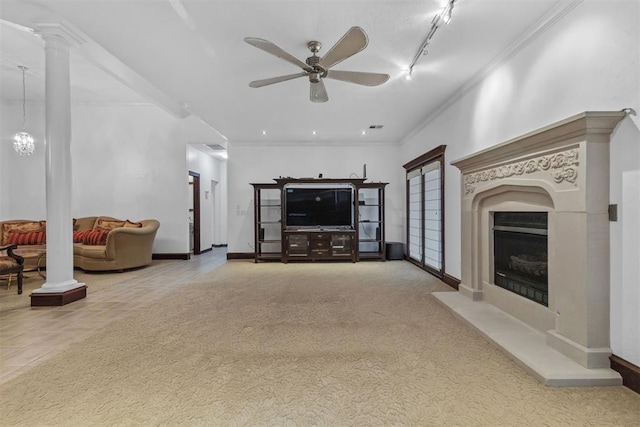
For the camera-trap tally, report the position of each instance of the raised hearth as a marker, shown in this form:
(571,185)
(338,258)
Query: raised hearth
(561,171)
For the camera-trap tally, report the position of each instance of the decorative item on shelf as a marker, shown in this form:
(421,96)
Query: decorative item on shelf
(23,142)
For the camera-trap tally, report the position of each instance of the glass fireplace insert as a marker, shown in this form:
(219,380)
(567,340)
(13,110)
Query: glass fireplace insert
(520,254)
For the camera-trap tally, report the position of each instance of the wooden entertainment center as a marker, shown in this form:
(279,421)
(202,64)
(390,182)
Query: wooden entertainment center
(352,230)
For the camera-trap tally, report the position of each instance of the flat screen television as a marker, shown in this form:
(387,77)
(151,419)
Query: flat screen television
(319,207)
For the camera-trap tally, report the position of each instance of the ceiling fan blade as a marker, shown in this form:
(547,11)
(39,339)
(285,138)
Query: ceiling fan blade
(271,48)
(365,79)
(318,92)
(272,80)
(354,40)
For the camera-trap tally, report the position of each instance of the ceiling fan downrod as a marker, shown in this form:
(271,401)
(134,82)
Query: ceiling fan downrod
(313,61)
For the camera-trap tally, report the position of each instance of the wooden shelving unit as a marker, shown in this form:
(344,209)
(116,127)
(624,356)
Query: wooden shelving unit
(276,242)
(315,246)
(370,221)
(268,221)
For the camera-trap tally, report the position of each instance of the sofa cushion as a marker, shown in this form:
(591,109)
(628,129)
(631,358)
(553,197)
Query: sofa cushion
(93,252)
(95,237)
(85,223)
(19,227)
(129,224)
(27,237)
(78,236)
(107,224)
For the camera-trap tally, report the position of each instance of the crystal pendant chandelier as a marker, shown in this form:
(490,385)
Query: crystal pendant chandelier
(23,141)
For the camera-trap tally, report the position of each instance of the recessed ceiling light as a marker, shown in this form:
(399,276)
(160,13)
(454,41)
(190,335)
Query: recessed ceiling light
(314,132)
(264,132)
(364,132)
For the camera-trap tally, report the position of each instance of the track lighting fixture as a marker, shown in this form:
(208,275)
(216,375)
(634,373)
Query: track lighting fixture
(443,17)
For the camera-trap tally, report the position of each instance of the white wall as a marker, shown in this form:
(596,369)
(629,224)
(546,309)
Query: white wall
(625,240)
(22,178)
(210,169)
(127,162)
(261,162)
(588,61)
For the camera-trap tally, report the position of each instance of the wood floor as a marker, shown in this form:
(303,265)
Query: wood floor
(30,336)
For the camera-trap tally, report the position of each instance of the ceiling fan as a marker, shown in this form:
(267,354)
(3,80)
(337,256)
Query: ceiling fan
(317,68)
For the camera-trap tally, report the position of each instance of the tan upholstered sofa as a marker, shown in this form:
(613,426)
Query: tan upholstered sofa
(125,247)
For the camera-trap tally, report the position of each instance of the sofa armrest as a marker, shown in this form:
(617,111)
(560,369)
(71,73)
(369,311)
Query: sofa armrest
(132,242)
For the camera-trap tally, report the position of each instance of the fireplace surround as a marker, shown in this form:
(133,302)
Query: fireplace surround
(561,171)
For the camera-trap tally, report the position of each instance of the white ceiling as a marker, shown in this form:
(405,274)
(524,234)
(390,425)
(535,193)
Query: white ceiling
(190,54)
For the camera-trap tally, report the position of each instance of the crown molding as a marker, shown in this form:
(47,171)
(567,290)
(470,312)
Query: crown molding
(548,20)
(120,71)
(103,59)
(314,143)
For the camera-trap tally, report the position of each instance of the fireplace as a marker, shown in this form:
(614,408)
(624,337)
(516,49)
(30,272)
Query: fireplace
(520,254)
(535,248)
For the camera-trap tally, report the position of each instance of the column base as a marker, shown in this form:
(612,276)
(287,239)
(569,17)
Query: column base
(51,299)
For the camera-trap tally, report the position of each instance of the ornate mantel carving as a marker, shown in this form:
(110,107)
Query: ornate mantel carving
(563,166)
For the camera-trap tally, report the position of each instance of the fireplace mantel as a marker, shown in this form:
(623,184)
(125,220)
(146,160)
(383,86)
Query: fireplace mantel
(558,134)
(561,169)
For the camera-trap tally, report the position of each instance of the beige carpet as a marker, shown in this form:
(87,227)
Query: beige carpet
(299,344)
(10,300)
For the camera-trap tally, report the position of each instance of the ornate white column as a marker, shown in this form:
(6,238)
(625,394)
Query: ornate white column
(60,287)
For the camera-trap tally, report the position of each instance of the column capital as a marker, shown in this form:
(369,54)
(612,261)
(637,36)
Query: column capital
(59,31)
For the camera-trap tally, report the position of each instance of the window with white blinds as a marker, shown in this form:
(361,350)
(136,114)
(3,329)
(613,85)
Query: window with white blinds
(432,241)
(415,218)
(425,206)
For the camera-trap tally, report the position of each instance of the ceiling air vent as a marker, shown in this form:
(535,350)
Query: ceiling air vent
(375,126)
(216,147)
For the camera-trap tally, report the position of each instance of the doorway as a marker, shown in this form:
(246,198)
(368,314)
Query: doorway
(215,216)
(194,213)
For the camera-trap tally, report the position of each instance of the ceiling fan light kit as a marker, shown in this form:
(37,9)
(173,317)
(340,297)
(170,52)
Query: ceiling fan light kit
(317,68)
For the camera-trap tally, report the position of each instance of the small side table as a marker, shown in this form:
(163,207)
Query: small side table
(38,254)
